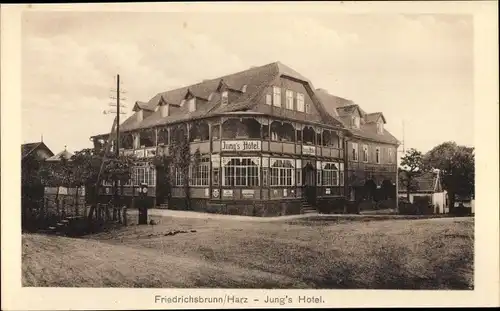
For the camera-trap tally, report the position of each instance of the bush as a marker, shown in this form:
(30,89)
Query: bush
(461,211)
(406,208)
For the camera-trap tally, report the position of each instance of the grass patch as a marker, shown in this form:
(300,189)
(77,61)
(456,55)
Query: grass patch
(385,254)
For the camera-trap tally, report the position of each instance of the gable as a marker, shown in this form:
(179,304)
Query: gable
(38,149)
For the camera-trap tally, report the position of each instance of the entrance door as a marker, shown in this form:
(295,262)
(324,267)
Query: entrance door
(309,182)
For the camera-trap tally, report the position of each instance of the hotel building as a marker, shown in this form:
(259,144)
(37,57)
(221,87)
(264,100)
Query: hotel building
(269,144)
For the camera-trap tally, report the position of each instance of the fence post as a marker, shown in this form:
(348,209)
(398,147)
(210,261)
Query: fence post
(124,212)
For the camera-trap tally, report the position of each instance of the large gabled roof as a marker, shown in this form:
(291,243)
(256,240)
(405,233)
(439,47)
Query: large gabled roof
(253,81)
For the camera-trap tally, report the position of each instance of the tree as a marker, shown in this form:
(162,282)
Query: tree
(182,159)
(456,165)
(411,167)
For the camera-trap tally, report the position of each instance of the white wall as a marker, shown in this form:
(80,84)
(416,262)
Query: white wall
(437,199)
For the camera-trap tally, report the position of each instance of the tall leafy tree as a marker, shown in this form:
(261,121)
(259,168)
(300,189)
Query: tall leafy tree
(412,166)
(182,158)
(456,165)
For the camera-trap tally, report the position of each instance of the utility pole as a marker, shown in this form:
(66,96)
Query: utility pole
(118,111)
(117,115)
(117,132)
(404,137)
(397,167)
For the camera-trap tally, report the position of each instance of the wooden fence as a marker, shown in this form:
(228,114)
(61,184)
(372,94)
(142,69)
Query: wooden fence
(65,210)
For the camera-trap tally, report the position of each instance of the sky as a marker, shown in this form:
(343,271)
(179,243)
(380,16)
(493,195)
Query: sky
(416,69)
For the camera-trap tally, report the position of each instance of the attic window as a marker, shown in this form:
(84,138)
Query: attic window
(355,122)
(269,99)
(244,88)
(277,96)
(380,127)
(192,105)
(224,98)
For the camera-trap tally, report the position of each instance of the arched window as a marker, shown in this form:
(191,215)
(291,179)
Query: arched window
(163,136)
(308,135)
(327,138)
(245,128)
(127,141)
(147,138)
(199,131)
(288,132)
(275,131)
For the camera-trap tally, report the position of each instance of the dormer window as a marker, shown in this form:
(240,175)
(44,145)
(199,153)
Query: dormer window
(289,99)
(192,105)
(269,99)
(355,122)
(224,98)
(244,88)
(380,127)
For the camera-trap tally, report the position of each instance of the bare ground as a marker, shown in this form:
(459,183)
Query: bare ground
(227,253)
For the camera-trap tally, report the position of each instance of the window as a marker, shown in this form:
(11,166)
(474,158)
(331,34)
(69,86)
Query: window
(298,168)
(341,174)
(289,99)
(224,98)
(389,160)
(330,174)
(282,172)
(240,172)
(144,174)
(183,102)
(308,108)
(215,169)
(380,127)
(377,155)
(192,105)
(265,176)
(365,153)
(269,99)
(354,152)
(277,96)
(179,177)
(300,102)
(318,173)
(355,122)
(200,174)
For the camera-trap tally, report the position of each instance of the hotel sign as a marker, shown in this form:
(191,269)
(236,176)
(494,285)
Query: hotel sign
(241,145)
(309,150)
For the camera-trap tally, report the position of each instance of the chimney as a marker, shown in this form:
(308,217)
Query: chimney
(164,111)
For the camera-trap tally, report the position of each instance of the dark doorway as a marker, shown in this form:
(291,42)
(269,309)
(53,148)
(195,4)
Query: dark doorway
(309,182)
